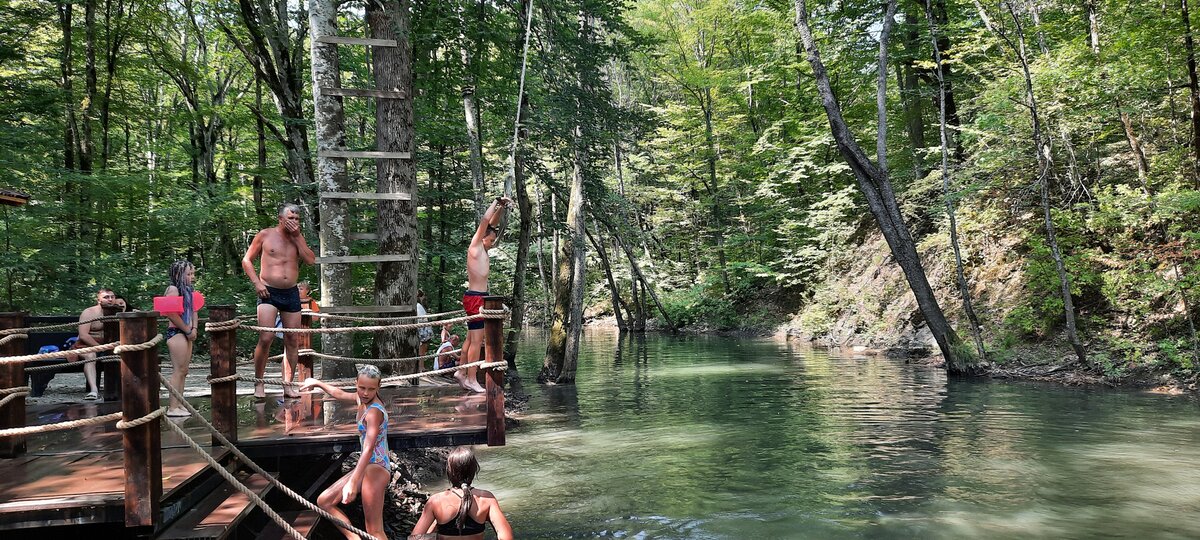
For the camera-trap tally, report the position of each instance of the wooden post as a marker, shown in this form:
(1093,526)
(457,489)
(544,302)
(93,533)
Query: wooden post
(11,375)
(304,368)
(223,355)
(493,338)
(139,397)
(111,371)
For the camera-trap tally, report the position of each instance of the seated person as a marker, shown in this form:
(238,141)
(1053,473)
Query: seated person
(462,512)
(90,335)
(445,358)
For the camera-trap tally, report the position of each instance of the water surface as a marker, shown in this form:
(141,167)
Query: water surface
(721,438)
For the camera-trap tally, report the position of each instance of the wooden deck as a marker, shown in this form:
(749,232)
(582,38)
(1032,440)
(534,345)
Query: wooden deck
(76,476)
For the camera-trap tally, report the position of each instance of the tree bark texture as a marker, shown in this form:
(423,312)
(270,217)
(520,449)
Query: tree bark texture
(334,232)
(1193,88)
(523,239)
(575,220)
(395,282)
(613,289)
(876,188)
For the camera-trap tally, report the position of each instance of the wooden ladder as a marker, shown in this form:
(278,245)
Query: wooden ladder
(335,194)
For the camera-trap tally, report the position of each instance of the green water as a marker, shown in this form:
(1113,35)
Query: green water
(710,437)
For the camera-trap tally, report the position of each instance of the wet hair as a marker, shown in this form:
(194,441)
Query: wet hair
(370,371)
(128,306)
(284,207)
(461,468)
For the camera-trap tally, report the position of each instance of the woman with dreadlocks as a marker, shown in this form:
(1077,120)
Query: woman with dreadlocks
(461,511)
(181,329)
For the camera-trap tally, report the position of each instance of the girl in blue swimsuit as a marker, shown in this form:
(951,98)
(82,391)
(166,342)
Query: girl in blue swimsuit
(461,511)
(373,471)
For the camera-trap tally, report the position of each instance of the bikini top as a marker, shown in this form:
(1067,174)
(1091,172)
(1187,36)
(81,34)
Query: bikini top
(469,526)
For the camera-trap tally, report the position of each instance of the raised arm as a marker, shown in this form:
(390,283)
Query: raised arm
(333,391)
(491,218)
(302,250)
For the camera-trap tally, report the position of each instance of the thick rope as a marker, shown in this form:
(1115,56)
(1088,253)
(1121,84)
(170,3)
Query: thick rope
(59,354)
(378,328)
(54,367)
(237,377)
(139,346)
(13,393)
(324,356)
(245,459)
(222,326)
(434,316)
(52,326)
(13,337)
(233,481)
(122,424)
(45,428)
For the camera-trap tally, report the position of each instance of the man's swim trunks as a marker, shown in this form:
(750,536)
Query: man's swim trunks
(286,300)
(472,301)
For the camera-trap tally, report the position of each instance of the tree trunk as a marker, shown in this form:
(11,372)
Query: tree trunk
(522,264)
(330,119)
(1042,149)
(615,292)
(261,139)
(876,188)
(710,159)
(87,144)
(70,131)
(1093,25)
(1194,89)
(964,289)
(395,282)
(115,25)
(556,345)
(575,220)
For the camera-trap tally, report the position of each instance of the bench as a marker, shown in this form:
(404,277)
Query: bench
(39,380)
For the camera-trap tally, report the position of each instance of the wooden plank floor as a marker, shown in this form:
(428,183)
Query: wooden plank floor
(76,476)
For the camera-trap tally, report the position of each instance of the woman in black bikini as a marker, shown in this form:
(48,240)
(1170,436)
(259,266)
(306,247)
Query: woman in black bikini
(461,511)
(181,331)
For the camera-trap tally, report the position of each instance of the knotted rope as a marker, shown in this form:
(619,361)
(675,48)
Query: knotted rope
(13,393)
(254,466)
(434,316)
(139,346)
(9,331)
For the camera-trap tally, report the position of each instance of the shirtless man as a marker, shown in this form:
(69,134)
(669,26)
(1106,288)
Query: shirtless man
(486,236)
(90,335)
(280,251)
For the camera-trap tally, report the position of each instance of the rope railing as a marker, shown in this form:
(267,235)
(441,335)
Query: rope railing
(430,317)
(13,393)
(9,331)
(83,422)
(501,366)
(222,326)
(53,367)
(59,354)
(323,356)
(13,337)
(255,467)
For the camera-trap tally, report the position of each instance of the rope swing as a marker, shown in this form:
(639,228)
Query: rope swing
(511,174)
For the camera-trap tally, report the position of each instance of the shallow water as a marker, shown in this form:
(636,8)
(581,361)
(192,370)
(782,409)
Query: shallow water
(712,437)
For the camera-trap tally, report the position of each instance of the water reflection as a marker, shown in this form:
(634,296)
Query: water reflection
(706,437)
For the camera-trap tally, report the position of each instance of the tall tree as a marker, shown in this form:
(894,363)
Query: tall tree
(876,187)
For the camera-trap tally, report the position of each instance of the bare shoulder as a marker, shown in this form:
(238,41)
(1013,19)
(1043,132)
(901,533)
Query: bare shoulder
(93,311)
(171,291)
(483,493)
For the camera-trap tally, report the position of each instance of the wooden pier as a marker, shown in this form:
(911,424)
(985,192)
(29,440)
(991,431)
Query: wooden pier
(138,483)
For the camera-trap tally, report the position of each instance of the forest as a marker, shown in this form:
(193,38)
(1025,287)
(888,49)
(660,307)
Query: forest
(978,178)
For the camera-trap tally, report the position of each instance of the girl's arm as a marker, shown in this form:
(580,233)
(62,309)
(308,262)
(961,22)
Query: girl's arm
(499,522)
(176,318)
(427,521)
(372,419)
(333,391)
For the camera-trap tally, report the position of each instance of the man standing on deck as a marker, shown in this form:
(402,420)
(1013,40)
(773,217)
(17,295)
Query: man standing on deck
(90,335)
(486,236)
(280,250)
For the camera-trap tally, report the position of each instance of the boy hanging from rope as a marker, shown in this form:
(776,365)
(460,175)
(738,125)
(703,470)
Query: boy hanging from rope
(478,266)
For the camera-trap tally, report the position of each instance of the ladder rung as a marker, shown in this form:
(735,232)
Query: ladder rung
(346,259)
(367,309)
(369,154)
(364,236)
(367,196)
(343,40)
(364,92)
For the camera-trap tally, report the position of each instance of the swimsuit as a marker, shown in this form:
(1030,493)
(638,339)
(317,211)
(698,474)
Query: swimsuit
(469,526)
(472,301)
(286,300)
(186,316)
(379,451)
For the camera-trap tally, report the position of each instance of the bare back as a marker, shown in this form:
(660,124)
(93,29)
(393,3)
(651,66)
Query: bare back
(279,259)
(445,506)
(477,267)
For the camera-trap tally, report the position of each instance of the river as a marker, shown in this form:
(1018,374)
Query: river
(719,438)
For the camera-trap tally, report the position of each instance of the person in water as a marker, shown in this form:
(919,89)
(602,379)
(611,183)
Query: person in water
(181,329)
(461,511)
(373,471)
